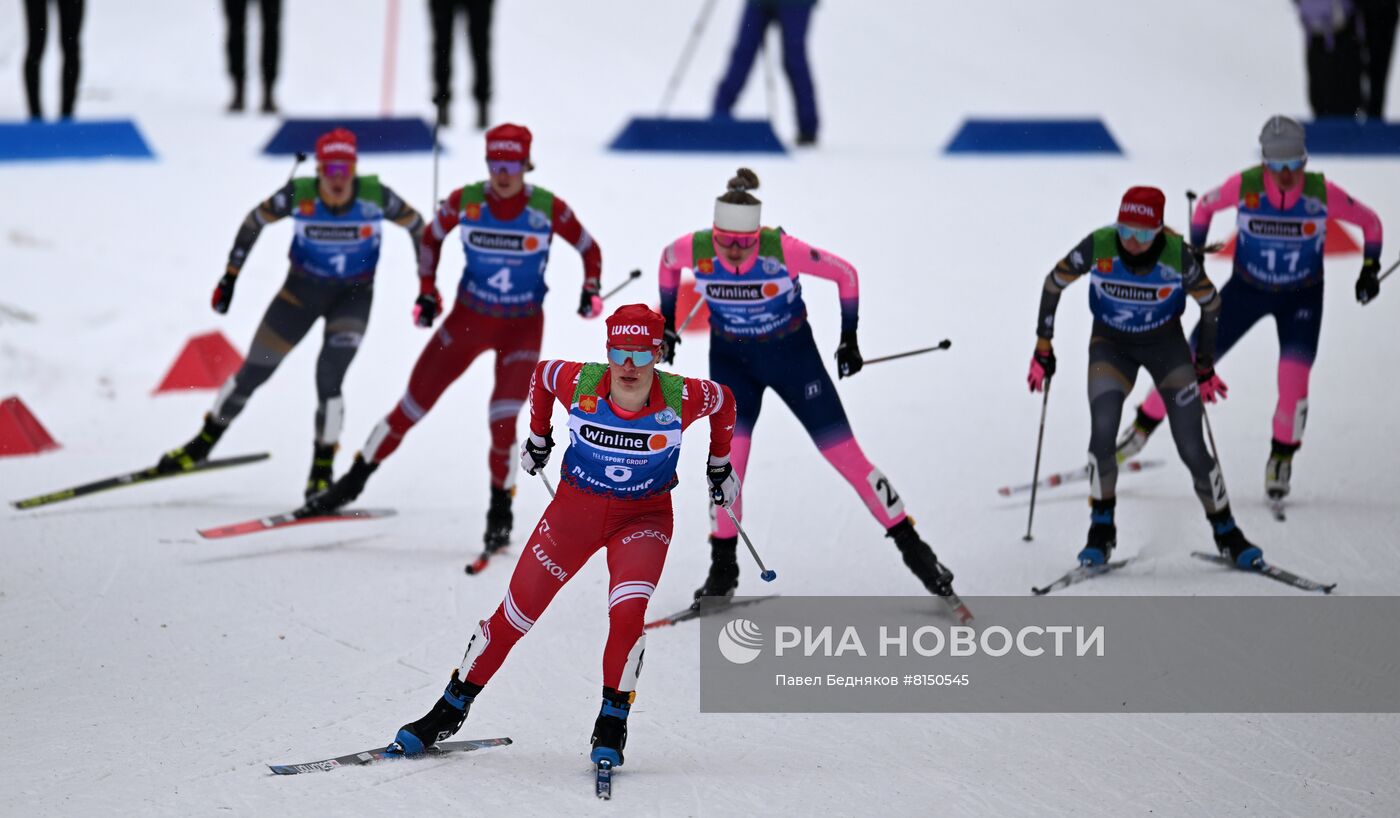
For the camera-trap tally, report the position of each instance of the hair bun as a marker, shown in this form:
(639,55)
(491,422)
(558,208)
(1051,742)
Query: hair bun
(744,180)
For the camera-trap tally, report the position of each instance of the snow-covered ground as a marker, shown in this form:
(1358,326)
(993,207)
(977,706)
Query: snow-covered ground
(146,671)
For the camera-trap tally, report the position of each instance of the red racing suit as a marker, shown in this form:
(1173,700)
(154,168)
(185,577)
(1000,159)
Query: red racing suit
(634,528)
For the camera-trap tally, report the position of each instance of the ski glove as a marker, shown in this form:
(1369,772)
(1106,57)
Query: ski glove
(1368,285)
(848,359)
(724,485)
(534,452)
(1212,388)
(589,304)
(223,293)
(670,339)
(1042,368)
(429,304)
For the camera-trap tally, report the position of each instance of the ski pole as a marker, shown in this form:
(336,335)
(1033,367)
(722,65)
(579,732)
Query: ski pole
(437,150)
(547,486)
(679,70)
(1210,435)
(632,276)
(944,344)
(1039,440)
(768,574)
(300,157)
(694,311)
(1388,271)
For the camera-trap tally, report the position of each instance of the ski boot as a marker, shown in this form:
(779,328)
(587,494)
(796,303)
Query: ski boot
(440,723)
(498,520)
(724,571)
(1230,541)
(1103,535)
(1135,436)
(322,464)
(194,452)
(342,491)
(610,730)
(920,558)
(1279,470)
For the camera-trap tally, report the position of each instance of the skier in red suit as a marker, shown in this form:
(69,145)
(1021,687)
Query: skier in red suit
(625,424)
(507,226)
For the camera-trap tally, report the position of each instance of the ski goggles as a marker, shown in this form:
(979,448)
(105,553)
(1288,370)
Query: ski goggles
(1280,165)
(511,167)
(337,170)
(725,239)
(1142,234)
(640,357)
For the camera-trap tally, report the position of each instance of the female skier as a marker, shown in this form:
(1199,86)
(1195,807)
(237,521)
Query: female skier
(760,339)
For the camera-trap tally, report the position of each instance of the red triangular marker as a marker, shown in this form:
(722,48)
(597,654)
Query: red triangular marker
(1339,242)
(20,431)
(685,302)
(205,363)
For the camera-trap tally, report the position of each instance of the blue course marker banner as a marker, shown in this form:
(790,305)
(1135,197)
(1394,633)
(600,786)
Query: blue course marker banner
(1033,136)
(387,135)
(1347,137)
(698,136)
(72,139)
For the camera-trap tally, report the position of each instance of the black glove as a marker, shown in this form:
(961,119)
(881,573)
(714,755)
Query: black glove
(1368,285)
(534,452)
(848,360)
(724,486)
(589,304)
(670,339)
(427,308)
(223,293)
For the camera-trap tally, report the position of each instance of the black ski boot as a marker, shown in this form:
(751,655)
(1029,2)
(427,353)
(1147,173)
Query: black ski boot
(1278,472)
(920,558)
(1103,534)
(194,452)
(322,466)
(342,491)
(724,571)
(1135,436)
(610,730)
(1231,542)
(440,723)
(499,520)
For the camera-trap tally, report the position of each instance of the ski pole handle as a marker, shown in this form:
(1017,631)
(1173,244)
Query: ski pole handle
(296,163)
(632,276)
(547,486)
(944,344)
(767,575)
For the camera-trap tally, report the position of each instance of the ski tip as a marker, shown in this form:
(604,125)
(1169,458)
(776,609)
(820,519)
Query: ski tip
(659,623)
(1039,591)
(1004,491)
(475,566)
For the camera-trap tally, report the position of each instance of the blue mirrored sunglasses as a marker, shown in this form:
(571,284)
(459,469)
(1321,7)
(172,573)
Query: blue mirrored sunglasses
(640,357)
(1288,164)
(1143,234)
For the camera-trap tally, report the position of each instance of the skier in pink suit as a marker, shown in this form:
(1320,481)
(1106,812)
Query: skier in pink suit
(759,340)
(1282,228)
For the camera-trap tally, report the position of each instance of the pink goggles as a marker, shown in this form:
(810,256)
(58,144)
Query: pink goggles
(336,170)
(505,166)
(725,239)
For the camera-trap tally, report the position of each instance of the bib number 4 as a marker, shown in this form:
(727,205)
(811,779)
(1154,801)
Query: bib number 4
(500,281)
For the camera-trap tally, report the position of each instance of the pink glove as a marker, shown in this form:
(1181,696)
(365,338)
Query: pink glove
(1213,389)
(1042,368)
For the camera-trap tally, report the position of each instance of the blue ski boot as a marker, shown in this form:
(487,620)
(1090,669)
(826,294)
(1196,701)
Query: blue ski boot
(440,723)
(1103,534)
(1230,541)
(610,730)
